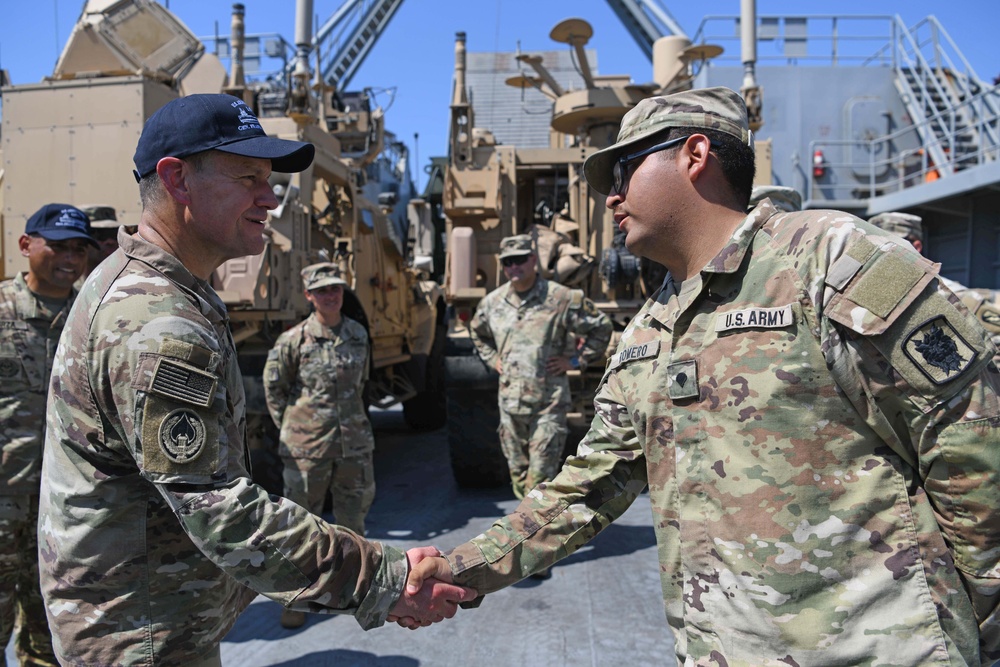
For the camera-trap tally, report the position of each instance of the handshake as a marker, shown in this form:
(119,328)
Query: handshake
(429,596)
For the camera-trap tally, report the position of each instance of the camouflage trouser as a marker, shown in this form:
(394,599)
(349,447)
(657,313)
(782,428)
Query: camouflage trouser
(533,445)
(20,595)
(350,480)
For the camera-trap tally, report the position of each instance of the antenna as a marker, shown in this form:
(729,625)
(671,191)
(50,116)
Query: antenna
(576,33)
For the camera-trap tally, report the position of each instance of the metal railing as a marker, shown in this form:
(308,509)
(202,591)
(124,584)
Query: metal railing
(955,113)
(890,168)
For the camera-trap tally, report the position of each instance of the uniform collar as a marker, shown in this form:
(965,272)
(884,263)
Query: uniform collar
(672,298)
(137,248)
(317,329)
(536,292)
(31,306)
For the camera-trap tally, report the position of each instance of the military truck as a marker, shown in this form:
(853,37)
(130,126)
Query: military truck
(866,115)
(492,190)
(70,138)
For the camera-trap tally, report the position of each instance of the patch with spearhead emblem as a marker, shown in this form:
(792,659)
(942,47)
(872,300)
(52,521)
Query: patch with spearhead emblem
(938,350)
(182,436)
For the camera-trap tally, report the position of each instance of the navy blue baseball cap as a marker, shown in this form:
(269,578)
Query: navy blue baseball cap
(202,122)
(59,222)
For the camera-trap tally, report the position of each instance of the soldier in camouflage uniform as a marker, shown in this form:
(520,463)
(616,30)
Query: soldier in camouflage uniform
(152,536)
(782,197)
(33,310)
(314,382)
(817,423)
(527,330)
(984,303)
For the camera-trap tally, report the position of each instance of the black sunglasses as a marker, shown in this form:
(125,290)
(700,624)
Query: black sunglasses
(619,172)
(515,261)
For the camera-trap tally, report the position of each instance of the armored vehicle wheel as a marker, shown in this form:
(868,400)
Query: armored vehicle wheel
(428,410)
(473,418)
(473,444)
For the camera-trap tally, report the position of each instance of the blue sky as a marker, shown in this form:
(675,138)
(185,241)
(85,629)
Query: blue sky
(416,54)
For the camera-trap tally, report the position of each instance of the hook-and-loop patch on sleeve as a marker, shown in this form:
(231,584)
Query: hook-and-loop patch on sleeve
(884,296)
(180,430)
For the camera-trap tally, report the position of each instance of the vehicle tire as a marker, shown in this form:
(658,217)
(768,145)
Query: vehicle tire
(473,443)
(428,410)
(473,418)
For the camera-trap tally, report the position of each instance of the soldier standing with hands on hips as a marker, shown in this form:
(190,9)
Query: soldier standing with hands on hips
(153,537)
(314,382)
(817,423)
(528,331)
(33,310)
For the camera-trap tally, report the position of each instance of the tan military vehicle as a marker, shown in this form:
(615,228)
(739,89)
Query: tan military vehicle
(71,138)
(492,190)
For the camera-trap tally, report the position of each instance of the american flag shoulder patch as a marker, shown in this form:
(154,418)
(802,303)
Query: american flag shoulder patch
(182,382)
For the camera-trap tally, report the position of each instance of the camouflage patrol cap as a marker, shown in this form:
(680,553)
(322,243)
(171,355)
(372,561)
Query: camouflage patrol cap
(101,217)
(900,224)
(319,275)
(783,198)
(516,246)
(719,109)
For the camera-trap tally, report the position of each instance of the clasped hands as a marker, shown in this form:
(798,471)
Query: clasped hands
(430,596)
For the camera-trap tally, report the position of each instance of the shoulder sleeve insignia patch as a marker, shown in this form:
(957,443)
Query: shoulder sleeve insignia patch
(183,382)
(182,436)
(10,367)
(938,350)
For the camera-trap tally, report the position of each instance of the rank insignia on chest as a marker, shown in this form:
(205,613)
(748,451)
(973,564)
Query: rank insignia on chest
(682,379)
(182,436)
(755,318)
(938,350)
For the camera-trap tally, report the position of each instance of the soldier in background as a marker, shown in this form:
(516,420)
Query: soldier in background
(984,303)
(532,331)
(104,226)
(153,538)
(33,310)
(782,197)
(818,425)
(314,382)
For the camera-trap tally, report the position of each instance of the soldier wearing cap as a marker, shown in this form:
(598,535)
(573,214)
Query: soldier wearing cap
(33,309)
(782,197)
(984,303)
(104,226)
(153,536)
(817,424)
(532,331)
(314,382)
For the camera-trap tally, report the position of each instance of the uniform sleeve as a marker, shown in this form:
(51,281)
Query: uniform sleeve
(593,326)
(279,374)
(594,488)
(482,335)
(918,367)
(280,550)
(189,444)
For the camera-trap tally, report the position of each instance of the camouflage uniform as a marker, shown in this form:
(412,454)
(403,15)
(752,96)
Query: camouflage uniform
(983,303)
(314,380)
(153,537)
(817,424)
(523,331)
(29,332)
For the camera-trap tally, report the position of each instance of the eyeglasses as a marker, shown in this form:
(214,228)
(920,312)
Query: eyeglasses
(515,261)
(619,171)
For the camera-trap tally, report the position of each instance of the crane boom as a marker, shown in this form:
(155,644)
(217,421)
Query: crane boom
(646,21)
